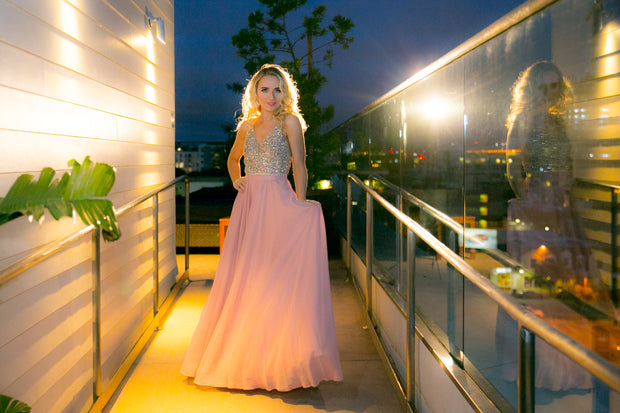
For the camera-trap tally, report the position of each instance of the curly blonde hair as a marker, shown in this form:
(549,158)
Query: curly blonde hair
(249,103)
(525,90)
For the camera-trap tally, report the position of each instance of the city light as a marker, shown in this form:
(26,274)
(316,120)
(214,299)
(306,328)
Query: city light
(324,184)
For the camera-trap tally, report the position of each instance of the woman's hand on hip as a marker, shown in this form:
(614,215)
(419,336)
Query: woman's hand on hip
(239,184)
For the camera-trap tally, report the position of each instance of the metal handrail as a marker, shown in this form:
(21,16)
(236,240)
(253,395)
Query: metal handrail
(588,359)
(446,220)
(48,250)
(521,13)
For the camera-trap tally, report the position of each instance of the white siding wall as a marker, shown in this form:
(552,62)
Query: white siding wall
(77,78)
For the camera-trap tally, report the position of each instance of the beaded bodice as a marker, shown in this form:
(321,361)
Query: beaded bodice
(548,149)
(271,156)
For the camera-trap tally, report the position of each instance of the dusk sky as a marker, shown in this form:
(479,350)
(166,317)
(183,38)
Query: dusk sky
(393,40)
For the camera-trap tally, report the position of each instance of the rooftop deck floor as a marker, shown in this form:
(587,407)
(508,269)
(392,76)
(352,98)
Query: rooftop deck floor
(154,384)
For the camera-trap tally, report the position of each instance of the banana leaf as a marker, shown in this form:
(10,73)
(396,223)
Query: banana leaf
(10,405)
(82,190)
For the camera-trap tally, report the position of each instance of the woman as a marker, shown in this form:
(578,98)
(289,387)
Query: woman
(545,228)
(268,322)
(546,232)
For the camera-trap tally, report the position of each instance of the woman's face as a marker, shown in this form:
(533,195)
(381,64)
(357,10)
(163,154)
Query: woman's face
(549,89)
(269,94)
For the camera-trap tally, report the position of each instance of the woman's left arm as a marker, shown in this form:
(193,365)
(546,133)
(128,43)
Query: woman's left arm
(298,150)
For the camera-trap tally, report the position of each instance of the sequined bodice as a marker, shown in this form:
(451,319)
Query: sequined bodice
(548,150)
(271,156)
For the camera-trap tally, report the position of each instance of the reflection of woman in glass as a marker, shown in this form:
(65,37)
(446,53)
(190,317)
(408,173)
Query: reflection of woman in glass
(545,231)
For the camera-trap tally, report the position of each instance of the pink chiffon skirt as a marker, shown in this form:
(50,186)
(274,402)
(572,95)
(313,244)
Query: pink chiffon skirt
(268,322)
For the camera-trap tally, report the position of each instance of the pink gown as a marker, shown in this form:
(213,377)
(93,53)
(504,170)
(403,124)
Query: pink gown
(268,322)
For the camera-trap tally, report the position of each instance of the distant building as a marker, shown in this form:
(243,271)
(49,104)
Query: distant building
(192,157)
(213,155)
(187,157)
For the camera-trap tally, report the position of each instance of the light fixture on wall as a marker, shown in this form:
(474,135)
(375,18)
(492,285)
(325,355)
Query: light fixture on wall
(156,24)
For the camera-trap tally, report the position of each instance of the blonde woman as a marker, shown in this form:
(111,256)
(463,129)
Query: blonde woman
(268,321)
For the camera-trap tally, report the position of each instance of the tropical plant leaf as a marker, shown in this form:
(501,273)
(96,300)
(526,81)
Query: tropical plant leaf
(83,190)
(10,405)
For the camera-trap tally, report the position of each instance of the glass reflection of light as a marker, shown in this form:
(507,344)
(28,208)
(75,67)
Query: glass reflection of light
(435,108)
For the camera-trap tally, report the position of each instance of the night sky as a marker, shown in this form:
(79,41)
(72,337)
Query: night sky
(393,40)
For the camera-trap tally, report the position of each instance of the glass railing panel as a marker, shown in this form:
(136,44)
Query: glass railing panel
(491,343)
(432,279)
(563,385)
(358,221)
(387,262)
(529,172)
(531,158)
(385,246)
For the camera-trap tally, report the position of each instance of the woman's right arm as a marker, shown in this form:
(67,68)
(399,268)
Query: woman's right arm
(234,158)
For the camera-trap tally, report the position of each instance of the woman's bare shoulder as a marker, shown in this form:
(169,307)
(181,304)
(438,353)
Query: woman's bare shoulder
(291,122)
(243,129)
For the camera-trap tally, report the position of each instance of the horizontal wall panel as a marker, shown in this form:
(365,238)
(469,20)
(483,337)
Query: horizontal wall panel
(63,118)
(24,352)
(61,83)
(82,78)
(72,392)
(90,39)
(35,383)
(116,154)
(32,306)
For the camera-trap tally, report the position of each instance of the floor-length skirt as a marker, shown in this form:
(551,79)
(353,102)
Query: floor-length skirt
(268,321)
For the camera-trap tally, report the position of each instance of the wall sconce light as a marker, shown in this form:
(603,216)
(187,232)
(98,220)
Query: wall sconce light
(156,24)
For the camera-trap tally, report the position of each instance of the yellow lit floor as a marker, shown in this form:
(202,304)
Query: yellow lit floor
(155,384)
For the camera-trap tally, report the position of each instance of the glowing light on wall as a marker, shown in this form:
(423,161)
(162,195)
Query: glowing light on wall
(68,20)
(69,53)
(150,72)
(149,93)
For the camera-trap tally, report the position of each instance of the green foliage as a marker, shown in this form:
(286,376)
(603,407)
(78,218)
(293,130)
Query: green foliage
(82,190)
(10,405)
(301,43)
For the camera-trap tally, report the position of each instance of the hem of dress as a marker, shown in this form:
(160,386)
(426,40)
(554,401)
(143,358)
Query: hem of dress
(281,389)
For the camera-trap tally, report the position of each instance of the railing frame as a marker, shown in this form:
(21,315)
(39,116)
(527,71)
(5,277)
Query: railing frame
(47,251)
(530,325)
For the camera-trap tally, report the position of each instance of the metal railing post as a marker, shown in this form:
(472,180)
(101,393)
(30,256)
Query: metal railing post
(349,222)
(186,223)
(96,306)
(527,370)
(399,242)
(369,250)
(411,241)
(155,254)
